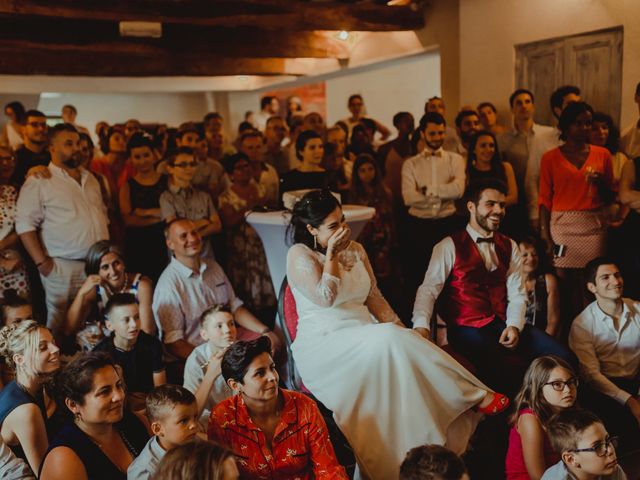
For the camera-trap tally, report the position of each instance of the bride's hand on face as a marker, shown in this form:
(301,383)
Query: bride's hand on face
(339,240)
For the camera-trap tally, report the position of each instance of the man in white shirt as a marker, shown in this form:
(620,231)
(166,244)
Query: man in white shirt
(606,339)
(431,182)
(188,286)
(59,219)
(477,271)
(451,140)
(541,144)
(269,107)
(630,137)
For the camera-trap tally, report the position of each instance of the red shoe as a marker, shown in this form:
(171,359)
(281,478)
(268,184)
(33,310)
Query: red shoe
(499,404)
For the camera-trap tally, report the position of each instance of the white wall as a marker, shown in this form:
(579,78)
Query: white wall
(489,30)
(387,87)
(169,108)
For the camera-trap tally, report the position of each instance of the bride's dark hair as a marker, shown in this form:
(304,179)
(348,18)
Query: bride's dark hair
(311,209)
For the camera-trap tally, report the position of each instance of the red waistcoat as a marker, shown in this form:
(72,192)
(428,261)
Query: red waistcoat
(473,296)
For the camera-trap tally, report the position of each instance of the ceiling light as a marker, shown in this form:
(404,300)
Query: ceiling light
(343,35)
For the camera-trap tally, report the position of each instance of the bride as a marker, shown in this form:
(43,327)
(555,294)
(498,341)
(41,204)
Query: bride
(389,389)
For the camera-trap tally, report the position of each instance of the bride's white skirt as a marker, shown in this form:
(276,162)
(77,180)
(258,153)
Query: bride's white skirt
(390,390)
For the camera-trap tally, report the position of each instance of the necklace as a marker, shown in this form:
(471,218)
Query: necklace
(124,287)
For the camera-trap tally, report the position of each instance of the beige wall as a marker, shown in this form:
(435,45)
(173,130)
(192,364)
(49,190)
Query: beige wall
(489,30)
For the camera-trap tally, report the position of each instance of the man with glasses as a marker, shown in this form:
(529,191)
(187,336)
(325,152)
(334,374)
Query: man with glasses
(33,151)
(606,339)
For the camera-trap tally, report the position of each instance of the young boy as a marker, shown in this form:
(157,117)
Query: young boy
(173,414)
(139,354)
(181,200)
(432,462)
(202,371)
(587,451)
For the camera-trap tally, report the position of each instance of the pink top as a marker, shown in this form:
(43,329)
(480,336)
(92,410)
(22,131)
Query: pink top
(563,187)
(515,467)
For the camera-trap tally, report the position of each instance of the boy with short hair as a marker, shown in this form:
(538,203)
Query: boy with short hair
(202,371)
(182,200)
(173,414)
(432,462)
(139,354)
(587,451)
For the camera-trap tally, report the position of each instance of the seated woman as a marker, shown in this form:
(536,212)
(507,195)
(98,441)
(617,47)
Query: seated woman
(274,433)
(246,261)
(27,412)
(100,441)
(543,297)
(310,174)
(355,356)
(106,275)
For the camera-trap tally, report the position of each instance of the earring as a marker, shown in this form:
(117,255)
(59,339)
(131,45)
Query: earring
(315,242)
(77,417)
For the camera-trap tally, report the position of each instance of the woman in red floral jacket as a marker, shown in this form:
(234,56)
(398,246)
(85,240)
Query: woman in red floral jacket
(273,433)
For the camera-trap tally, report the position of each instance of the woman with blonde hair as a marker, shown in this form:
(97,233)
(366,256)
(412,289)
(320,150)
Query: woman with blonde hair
(26,409)
(198,460)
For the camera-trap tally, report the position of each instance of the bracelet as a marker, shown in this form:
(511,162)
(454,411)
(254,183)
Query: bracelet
(42,262)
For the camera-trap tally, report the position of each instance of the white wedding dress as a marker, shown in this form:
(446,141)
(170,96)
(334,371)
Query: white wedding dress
(390,390)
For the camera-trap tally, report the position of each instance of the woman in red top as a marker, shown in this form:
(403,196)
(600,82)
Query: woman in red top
(575,186)
(274,433)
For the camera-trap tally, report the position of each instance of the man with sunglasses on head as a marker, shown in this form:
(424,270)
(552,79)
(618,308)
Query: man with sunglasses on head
(606,339)
(33,151)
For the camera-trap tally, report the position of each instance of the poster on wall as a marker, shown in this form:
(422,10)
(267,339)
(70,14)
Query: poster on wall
(302,99)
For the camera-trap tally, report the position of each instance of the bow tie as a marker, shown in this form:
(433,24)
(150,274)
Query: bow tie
(484,240)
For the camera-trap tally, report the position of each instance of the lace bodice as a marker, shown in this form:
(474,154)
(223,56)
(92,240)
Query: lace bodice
(352,293)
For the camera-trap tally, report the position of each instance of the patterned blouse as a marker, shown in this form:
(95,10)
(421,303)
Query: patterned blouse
(300,449)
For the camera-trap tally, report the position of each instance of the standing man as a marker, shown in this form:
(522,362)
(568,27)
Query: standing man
(252,145)
(269,107)
(451,140)
(431,182)
(274,134)
(59,219)
(69,115)
(467,125)
(33,151)
(630,138)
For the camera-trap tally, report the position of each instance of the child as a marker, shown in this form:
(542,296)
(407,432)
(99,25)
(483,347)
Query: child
(13,309)
(181,200)
(202,371)
(139,354)
(549,386)
(588,453)
(173,414)
(432,462)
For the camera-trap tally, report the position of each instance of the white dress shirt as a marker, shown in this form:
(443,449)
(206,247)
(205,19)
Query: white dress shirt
(440,266)
(443,175)
(606,351)
(545,139)
(71,215)
(630,140)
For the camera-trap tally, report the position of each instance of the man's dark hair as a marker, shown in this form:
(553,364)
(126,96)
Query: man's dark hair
(266,101)
(397,118)
(230,161)
(591,269)
(520,91)
(238,357)
(171,159)
(87,138)
(11,299)
(59,128)
(557,97)
(566,427)
(431,117)
(369,124)
(71,107)
(187,127)
(476,187)
(211,116)
(253,133)
(487,104)
(31,113)
(353,97)
(463,114)
(432,462)
(119,300)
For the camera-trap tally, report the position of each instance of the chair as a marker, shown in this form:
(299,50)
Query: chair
(287,320)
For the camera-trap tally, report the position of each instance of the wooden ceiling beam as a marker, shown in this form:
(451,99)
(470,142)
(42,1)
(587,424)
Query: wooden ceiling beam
(85,35)
(41,61)
(265,14)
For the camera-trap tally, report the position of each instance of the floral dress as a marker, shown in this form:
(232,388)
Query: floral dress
(17,277)
(247,263)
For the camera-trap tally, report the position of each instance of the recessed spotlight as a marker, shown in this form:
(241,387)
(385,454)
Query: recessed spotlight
(343,35)
(242,78)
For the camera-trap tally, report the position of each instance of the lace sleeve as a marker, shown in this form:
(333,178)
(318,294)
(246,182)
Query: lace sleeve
(305,273)
(376,303)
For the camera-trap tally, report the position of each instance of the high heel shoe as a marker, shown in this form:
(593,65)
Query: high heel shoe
(499,403)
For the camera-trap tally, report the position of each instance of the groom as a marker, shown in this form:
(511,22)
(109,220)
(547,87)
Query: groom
(477,271)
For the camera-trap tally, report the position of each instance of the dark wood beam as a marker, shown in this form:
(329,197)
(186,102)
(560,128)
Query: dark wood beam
(91,35)
(277,15)
(41,61)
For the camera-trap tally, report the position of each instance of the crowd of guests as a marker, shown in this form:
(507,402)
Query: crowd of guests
(138,313)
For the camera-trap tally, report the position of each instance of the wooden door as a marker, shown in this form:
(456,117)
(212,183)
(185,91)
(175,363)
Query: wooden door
(591,61)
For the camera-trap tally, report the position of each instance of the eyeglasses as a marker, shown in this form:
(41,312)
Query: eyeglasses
(558,385)
(601,448)
(185,164)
